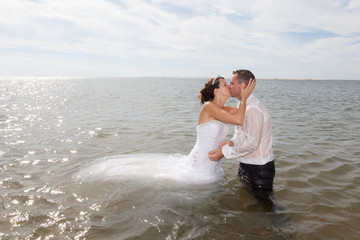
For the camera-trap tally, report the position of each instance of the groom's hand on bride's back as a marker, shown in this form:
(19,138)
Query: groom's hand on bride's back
(215,155)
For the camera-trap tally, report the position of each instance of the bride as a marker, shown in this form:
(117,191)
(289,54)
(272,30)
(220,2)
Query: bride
(212,130)
(196,168)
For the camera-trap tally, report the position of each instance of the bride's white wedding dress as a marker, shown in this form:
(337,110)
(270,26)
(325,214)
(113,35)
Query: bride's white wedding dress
(196,168)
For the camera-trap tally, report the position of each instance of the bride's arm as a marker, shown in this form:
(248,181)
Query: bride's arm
(236,118)
(230,109)
(222,115)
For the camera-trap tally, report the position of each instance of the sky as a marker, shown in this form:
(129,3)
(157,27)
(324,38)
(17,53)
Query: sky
(318,39)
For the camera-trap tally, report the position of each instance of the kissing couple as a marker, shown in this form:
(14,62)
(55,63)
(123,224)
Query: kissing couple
(251,143)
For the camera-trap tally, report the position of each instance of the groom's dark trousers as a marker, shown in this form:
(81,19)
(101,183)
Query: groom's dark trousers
(259,177)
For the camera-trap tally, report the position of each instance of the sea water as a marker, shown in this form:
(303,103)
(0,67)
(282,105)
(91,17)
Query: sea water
(79,158)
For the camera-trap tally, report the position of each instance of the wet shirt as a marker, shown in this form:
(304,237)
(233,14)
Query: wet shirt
(253,140)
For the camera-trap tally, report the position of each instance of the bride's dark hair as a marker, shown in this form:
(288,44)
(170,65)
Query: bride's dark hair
(207,92)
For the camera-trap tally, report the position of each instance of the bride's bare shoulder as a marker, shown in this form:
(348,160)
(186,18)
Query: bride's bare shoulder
(209,105)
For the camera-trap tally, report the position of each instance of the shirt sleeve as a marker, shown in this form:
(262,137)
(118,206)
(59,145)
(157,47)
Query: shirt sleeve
(246,139)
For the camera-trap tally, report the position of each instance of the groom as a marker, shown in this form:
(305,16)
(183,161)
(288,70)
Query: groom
(252,142)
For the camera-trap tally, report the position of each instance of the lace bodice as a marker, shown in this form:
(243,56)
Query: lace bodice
(198,165)
(209,136)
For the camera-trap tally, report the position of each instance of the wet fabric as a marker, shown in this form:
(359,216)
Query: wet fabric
(253,140)
(259,177)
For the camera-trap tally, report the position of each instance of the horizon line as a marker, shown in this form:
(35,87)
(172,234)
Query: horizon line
(195,77)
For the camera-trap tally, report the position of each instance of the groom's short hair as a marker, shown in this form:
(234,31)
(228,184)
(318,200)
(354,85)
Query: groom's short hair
(243,75)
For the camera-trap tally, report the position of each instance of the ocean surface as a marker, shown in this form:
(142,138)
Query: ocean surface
(78,158)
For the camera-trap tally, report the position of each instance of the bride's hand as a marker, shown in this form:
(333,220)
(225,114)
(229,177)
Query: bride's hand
(226,142)
(246,91)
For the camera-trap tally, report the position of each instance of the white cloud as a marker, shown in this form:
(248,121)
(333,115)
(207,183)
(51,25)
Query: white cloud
(202,37)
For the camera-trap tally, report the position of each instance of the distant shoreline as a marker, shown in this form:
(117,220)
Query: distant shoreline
(125,77)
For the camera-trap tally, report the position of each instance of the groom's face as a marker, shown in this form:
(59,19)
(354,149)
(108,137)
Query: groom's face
(235,87)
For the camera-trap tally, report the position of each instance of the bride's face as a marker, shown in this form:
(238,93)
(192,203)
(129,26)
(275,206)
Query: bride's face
(223,88)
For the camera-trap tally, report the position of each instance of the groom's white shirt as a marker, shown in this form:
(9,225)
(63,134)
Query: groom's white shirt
(253,140)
